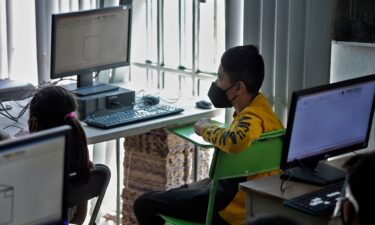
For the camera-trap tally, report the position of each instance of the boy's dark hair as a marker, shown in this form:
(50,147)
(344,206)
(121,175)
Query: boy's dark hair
(50,107)
(360,170)
(273,220)
(243,63)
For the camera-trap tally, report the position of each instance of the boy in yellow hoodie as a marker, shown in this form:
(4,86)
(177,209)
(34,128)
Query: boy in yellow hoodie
(240,77)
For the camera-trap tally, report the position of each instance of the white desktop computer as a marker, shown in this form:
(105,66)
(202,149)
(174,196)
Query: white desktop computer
(87,42)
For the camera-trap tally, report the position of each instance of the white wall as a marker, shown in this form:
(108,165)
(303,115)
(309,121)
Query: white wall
(350,61)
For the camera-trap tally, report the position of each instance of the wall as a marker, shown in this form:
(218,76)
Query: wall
(350,61)
(294,39)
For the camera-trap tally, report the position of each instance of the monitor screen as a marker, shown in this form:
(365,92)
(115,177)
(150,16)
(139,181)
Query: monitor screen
(329,120)
(32,179)
(88,41)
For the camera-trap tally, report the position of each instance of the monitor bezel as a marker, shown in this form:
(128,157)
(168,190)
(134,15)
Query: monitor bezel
(65,131)
(55,16)
(311,160)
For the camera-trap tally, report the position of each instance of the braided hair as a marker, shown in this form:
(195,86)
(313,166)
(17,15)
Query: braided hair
(54,106)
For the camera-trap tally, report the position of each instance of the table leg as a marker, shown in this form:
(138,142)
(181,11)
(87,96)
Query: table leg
(118,181)
(196,163)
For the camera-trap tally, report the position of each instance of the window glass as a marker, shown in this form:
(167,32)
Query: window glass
(151,30)
(187,34)
(211,35)
(138,52)
(172,49)
(23,63)
(175,71)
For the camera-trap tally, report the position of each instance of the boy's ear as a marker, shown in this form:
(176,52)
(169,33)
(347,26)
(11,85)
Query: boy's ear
(241,86)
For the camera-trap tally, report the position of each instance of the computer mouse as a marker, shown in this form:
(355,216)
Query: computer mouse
(203,104)
(150,100)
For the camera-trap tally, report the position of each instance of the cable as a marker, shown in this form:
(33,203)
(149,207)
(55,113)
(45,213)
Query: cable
(139,92)
(97,74)
(172,100)
(12,125)
(282,185)
(10,116)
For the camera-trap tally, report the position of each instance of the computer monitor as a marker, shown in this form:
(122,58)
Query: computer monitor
(88,41)
(327,121)
(32,174)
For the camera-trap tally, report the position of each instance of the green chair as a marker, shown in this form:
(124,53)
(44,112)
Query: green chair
(262,156)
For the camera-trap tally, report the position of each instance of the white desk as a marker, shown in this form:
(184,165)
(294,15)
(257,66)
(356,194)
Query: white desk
(95,135)
(190,115)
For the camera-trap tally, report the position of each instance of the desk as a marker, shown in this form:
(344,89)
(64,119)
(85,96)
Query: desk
(190,115)
(264,196)
(95,135)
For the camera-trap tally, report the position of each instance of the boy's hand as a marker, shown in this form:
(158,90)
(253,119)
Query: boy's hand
(199,124)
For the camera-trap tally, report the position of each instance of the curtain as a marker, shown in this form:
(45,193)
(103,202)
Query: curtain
(294,37)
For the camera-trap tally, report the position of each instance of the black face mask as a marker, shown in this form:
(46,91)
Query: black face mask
(218,96)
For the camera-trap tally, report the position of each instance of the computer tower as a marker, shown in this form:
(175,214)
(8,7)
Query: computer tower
(121,98)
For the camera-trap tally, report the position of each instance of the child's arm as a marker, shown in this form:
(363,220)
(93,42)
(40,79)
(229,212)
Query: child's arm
(234,139)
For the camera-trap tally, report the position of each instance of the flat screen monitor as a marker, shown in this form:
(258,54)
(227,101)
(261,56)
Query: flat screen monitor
(88,41)
(327,121)
(32,174)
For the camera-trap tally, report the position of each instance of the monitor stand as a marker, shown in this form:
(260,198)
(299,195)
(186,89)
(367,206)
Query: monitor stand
(86,86)
(322,174)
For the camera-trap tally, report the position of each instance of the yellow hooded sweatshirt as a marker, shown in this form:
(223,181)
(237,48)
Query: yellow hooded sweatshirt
(247,126)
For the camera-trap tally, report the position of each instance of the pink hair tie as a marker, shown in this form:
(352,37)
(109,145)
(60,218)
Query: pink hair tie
(71,115)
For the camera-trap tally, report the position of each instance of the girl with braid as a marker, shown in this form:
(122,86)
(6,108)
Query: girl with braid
(54,106)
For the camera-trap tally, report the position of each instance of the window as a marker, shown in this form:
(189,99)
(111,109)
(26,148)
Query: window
(178,44)
(18,36)
(18,40)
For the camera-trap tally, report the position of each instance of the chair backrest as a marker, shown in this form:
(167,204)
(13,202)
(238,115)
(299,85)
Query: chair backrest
(95,187)
(263,155)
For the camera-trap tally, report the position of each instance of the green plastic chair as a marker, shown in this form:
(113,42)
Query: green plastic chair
(263,155)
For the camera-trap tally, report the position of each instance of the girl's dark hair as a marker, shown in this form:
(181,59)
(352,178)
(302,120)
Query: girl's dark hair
(50,107)
(360,170)
(243,63)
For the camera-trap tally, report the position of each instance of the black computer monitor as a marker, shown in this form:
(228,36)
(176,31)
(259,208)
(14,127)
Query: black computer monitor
(33,174)
(327,121)
(88,41)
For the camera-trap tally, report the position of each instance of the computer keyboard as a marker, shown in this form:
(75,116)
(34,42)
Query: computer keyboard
(319,203)
(113,118)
